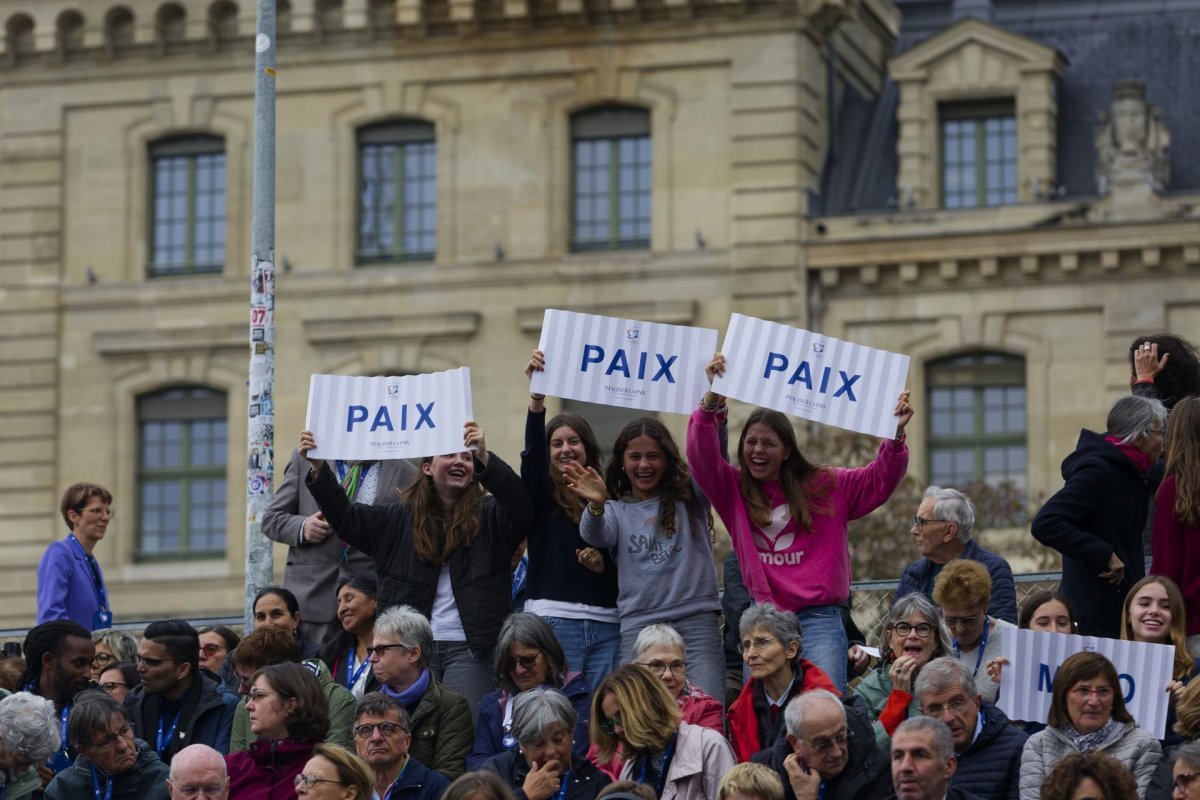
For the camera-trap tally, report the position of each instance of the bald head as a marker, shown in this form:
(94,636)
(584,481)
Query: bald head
(195,767)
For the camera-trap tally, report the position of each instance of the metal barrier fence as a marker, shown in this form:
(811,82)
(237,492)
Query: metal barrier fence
(870,603)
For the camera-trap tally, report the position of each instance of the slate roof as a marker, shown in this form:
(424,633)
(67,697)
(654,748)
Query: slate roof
(1103,42)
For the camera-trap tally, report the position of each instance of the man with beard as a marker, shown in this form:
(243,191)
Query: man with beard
(58,666)
(177,704)
(382,735)
(111,762)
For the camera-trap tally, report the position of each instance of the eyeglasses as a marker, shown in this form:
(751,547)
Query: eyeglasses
(379,649)
(386,729)
(758,643)
(956,705)
(609,725)
(1184,779)
(824,744)
(311,780)
(920,522)
(1084,692)
(111,740)
(676,668)
(100,659)
(956,622)
(212,648)
(152,662)
(196,791)
(923,629)
(108,686)
(97,512)
(255,696)
(524,662)
(245,683)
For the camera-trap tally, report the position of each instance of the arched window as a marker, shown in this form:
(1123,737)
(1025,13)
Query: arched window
(397,192)
(977,420)
(170,24)
(283,17)
(118,29)
(223,20)
(328,15)
(611,178)
(19,33)
(182,454)
(187,229)
(69,30)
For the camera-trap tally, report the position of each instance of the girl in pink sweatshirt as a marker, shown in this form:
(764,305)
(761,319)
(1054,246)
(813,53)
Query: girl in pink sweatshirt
(787,516)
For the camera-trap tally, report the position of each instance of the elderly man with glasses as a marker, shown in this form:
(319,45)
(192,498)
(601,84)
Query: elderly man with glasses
(382,736)
(111,763)
(942,530)
(440,716)
(198,773)
(829,751)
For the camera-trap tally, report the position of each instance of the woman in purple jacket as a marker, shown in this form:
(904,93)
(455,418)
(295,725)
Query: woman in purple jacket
(70,584)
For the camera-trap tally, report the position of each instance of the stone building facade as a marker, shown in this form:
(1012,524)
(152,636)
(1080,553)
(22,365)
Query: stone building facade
(447,169)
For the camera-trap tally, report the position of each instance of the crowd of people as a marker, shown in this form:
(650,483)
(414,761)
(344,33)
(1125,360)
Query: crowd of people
(401,659)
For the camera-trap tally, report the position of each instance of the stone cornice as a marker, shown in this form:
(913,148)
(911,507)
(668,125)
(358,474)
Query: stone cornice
(419,327)
(671,312)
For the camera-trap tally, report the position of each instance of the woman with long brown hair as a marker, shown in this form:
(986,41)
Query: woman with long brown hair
(570,584)
(446,550)
(1176,540)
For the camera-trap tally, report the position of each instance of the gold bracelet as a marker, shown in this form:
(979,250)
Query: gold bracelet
(593,511)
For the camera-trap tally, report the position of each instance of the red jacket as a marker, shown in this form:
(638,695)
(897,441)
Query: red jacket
(267,770)
(742,719)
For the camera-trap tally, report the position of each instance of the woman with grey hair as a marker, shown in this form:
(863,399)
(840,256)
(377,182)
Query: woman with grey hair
(913,635)
(112,646)
(660,649)
(771,647)
(29,734)
(528,655)
(545,766)
(1096,520)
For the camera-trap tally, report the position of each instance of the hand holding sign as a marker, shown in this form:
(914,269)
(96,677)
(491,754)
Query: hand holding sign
(904,411)
(473,438)
(537,363)
(308,444)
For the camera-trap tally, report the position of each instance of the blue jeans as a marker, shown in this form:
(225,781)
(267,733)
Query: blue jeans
(591,647)
(825,642)
(470,673)
(705,655)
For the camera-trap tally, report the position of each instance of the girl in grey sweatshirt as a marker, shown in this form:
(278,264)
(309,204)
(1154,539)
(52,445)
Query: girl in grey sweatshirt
(657,524)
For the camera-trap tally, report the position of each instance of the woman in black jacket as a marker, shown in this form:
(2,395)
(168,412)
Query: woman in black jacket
(1096,519)
(446,550)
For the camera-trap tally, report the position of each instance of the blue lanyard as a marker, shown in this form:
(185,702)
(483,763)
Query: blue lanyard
(352,679)
(66,712)
(396,783)
(94,568)
(164,741)
(662,776)
(982,644)
(562,790)
(108,784)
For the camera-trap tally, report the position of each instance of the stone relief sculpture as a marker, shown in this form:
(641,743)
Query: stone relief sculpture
(1132,142)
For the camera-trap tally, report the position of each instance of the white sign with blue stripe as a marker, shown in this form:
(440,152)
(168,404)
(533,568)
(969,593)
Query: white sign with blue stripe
(809,375)
(360,418)
(649,366)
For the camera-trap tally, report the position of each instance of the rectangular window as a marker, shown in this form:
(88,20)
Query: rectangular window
(397,208)
(611,179)
(187,225)
(181,473)
(979,156)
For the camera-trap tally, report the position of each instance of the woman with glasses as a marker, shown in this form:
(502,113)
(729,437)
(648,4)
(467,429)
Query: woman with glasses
(290,716)
(334,773)
(660,649)
(963,590)
(1096,519)
(787,516)
(346,654)
(528,655)
(118,679)
(632,709)
(111,647)
(70,584)
(771,647)
(913,635)
(1087,714)
(546,765)
(216,643)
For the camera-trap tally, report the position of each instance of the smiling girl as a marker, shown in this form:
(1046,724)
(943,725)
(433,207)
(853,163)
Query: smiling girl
(571,585)
(656,523)
(787,516)
(446,550)
(1154,613)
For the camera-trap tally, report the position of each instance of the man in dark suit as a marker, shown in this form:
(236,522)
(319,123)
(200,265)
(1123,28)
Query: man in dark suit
(316,557)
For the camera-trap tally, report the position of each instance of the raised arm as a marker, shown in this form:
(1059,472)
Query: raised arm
(361,526)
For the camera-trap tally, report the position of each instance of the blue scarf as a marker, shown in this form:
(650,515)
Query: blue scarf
(413,693)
